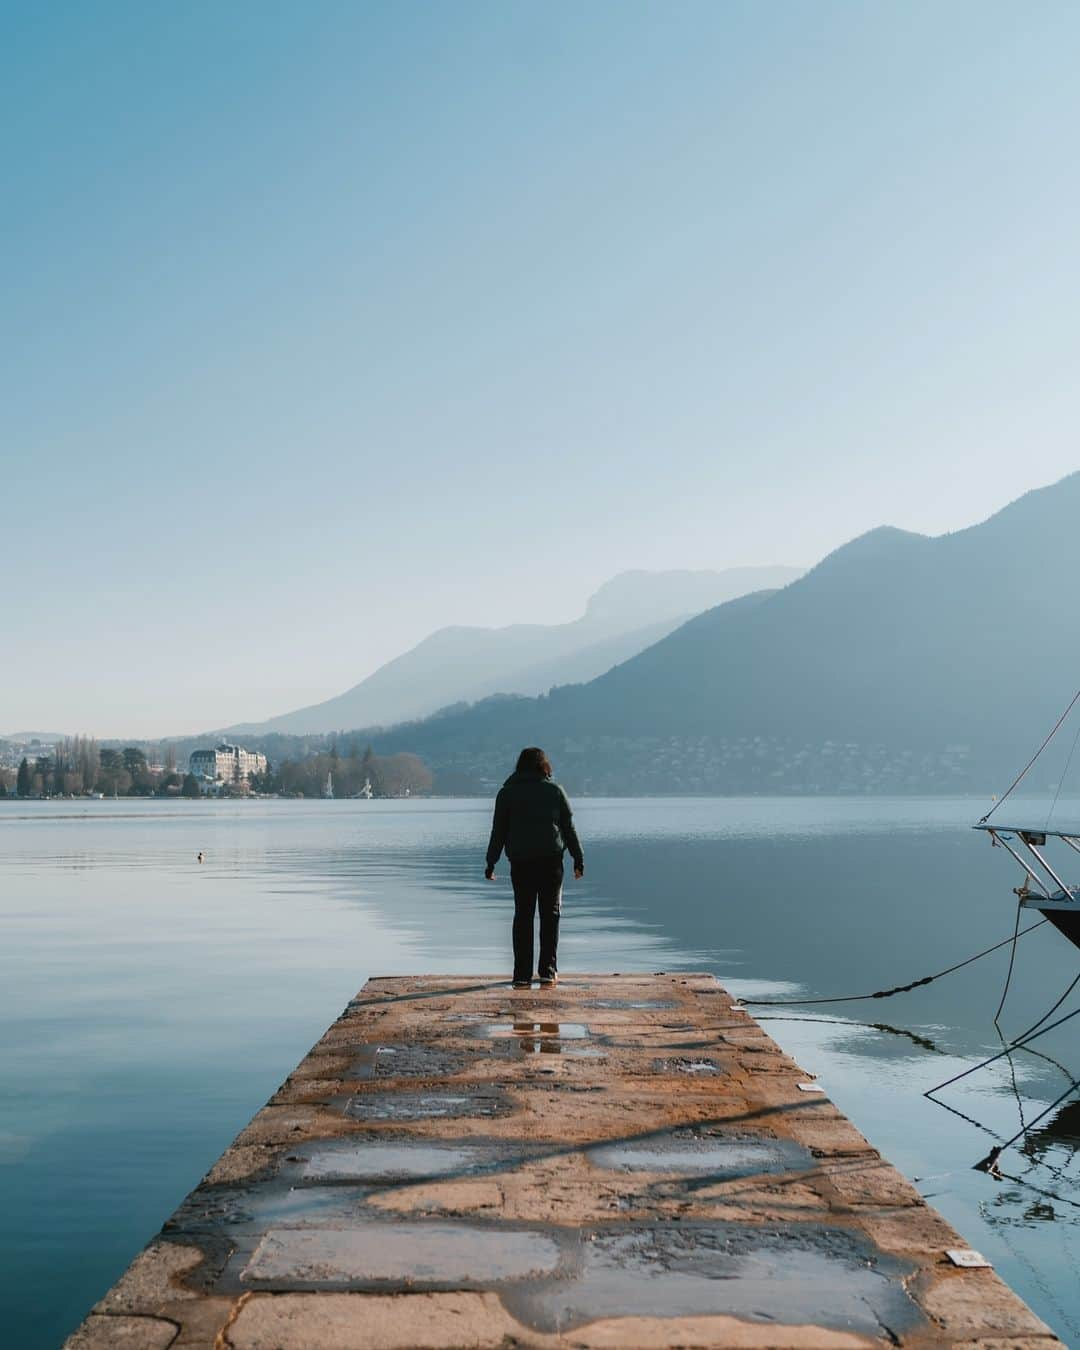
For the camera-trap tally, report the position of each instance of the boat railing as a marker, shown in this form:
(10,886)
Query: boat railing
(1013,837)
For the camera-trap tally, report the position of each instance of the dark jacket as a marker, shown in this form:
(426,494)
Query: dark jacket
(532,820)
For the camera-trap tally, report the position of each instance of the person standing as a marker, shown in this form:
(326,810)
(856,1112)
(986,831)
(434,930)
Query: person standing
(534,824)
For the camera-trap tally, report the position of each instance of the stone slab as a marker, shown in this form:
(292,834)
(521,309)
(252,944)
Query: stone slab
(403,1255)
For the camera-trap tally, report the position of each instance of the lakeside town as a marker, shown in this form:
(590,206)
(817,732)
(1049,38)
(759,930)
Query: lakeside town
(77,766)
(348,767)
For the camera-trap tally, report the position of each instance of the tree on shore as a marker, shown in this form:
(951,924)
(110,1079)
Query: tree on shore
(190,787)
(265,782)
(75,765)
(114,779)
(142,780)
(23,780)
(402,774)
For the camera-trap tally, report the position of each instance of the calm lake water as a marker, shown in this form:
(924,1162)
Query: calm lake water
(149,1005)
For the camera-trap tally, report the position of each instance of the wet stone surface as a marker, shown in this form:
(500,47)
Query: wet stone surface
(642,1004)
(407,1061)
(529,1029)
(425,1106)
(352,1159)
(421,1255)
(794,1274)
(349,1160)
(696,1066)
(538,1173)
(700,1152)
(239,1212)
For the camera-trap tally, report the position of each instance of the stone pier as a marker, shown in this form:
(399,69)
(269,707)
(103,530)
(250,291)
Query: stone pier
(627,1160)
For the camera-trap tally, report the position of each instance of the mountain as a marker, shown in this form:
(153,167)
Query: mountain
(901,662)
(464,664)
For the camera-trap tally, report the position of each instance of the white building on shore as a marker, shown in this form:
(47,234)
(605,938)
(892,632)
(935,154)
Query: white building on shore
(226,764)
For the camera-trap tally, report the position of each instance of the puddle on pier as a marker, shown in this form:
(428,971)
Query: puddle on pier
(552,1279)
(562,1031)
(704,1068)
(253,1209)
(404,1061)
(699,1151)
(639,1004)
(379,1160)
(410,1255)
(793,1274)
(540,1038)
(425,1106)
(686,1045)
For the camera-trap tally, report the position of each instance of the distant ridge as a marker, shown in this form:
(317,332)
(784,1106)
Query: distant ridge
(465,664)
(900,662)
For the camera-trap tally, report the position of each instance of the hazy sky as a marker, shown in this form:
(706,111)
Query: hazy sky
(329,324)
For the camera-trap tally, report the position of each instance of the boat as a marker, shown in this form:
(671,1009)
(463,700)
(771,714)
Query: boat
(328,790)
(1043,887)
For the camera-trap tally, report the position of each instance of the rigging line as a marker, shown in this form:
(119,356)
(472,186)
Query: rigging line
(969,1119)
(888,993)
(1058,1173)
(1015,1088)
(1041,1054)
(1012,961)
(1024,771)
(1016,1045)
(1061,781)
(1057,1005)
(1034,1161)
(1036,1164)
(987,1164)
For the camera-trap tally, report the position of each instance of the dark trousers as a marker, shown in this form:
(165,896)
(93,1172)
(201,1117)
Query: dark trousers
(536,881)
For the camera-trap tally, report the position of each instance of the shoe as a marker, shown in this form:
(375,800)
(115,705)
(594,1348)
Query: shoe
(522,984)
(550,982)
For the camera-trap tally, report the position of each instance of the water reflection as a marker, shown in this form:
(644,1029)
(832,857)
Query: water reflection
(538,1038)
(534,1038)
(921,1041)
(151,1005)
(1062,1130)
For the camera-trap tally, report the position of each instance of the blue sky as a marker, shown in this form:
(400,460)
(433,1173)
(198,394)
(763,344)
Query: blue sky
(329,324)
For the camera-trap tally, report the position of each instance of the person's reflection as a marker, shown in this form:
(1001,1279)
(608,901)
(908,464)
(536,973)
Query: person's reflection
(535,1038)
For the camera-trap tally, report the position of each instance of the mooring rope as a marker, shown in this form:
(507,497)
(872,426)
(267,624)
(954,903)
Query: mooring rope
(1018,1042)
(899,989)
(1012,962)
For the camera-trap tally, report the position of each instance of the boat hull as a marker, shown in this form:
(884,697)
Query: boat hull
(1063,914)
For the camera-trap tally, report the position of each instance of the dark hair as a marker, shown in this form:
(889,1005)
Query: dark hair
(533,760)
